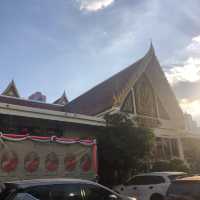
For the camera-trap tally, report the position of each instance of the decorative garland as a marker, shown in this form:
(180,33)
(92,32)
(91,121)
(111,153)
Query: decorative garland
(60,140)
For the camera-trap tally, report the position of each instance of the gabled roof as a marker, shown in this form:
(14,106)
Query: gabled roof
(62,100)
(110,92)
(11,90)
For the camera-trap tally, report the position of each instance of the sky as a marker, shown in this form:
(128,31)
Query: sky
(72,45)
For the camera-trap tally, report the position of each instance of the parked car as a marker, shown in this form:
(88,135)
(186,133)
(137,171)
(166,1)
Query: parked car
(148,186)
(184,189)
(58,189)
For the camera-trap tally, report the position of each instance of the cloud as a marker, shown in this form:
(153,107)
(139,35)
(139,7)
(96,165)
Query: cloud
(120,43)
(191,107)
(186,89)
(94,5)
(190,69)
(185,78)
(194,47)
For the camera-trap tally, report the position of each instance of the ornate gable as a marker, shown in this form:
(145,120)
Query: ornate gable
(128,105)
(161,110)
(11,90)
(62,100)
(145,98)
(145,104)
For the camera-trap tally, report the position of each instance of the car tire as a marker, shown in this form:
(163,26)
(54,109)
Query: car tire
(157,197)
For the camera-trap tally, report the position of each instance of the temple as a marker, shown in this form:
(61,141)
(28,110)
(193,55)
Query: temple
(141,90)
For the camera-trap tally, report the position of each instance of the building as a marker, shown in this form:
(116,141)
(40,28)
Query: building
(190,124)
(140,90)
(38,96)
(36,117)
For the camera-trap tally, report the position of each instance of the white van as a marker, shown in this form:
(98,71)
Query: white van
(148,186)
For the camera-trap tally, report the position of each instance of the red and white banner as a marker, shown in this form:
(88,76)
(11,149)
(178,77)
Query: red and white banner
(25,156)
(60,140)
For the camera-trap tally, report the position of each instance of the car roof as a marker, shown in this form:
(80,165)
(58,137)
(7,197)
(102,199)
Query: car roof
(166,173)
(39,182)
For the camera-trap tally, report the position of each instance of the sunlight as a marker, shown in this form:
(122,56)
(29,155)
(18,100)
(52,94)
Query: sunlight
(188,72)
(196,39)
(94,5)
(191,107)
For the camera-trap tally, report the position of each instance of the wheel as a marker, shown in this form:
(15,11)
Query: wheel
(157,197)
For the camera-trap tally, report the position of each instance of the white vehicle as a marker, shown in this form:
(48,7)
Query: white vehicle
(148,186)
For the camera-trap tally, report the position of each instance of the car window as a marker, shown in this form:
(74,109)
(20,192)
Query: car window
(20,196)
(24,196)
(185,189)
(9,190)
(94,192)
(146,180)
(66,192)
(40,192)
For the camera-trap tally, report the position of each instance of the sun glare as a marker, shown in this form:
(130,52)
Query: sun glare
(188,72)
(191,107)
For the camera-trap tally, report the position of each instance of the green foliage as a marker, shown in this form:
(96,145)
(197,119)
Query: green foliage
(191,148)
(172,165)
(160,166)
(178,165)
(122,148)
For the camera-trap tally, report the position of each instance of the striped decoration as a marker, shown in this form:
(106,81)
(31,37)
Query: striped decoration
(60,140)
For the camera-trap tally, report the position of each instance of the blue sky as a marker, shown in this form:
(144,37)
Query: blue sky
(57,45)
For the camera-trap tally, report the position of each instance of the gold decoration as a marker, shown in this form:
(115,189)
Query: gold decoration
(128,105)
(145,98)
(119,98)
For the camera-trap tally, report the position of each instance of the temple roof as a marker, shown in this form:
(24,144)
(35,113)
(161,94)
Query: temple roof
(62,100)
(105,95)
(11,96)
(112,92)
(11,90)
(30,103)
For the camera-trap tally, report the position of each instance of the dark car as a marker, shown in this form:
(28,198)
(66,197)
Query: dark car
(184,189)
(58,189)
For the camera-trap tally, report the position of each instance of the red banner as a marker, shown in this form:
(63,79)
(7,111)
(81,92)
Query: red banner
(60,140)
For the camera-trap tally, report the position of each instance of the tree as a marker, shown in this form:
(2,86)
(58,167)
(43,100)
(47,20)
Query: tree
(122,149)
(172,165)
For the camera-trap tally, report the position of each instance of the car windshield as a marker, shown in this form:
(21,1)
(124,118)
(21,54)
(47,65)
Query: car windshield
(10,188)
(184,189)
